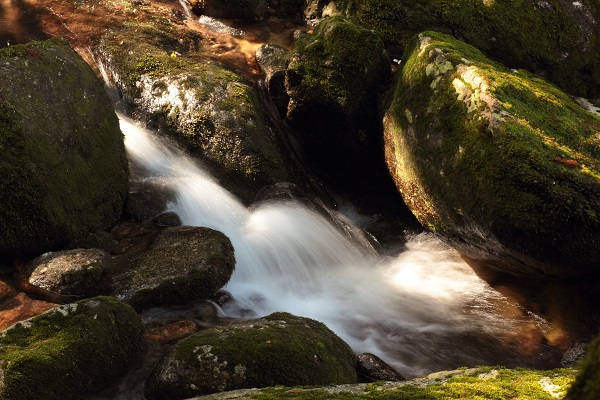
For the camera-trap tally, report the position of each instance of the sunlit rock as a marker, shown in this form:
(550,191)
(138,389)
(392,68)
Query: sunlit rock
(500,164)
(70,350)
(63,170)
(177,266)
(66,273)
(333,80)
(210,110)
(554,38)
(280,349)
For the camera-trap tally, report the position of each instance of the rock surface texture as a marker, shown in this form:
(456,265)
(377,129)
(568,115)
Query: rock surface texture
(502,165)
(63,170)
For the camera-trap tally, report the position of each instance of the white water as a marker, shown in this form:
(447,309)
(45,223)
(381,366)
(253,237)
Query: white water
(422,311)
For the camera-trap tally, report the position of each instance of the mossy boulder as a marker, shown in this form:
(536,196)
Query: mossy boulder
(63,169)
(333,80)
(556,38)
(74,272)
(280,349)
(586,386)
(213,112)
(70,350)
(502,165)
(180,264)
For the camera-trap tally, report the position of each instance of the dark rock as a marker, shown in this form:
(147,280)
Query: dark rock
(247,10)
(168,218)
(471,146)
(279,349)
(574,355)
(373,368)
(179,265)
(70,350)
(585,386)
(273,61)
(68,273)
(63,158)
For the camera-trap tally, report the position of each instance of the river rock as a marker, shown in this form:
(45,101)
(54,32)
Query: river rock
(70,350)
(179,265)
(210,110)
(280,349)
(333,80)
(500,164)
(373,368)
(273,61)
(586,385)
(557,39)
(68,273)
(63,170)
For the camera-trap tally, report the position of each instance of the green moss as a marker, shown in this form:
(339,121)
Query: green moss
(505,385)
(70,350)
(498,142)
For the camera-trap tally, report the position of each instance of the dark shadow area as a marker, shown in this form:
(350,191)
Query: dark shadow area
(19,23)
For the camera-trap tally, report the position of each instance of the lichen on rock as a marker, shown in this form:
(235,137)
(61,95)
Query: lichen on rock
(498,162)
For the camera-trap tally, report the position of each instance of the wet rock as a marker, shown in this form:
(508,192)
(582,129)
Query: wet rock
(556,39)
(373,368)
(333,80)
(63,158)
(573,355)
(471,146)
(146,200)
(280,349)
(247,10)
(170,332)
(213,112)
(178,265)
(70,350)
(16,306)
(168,218)
(273,61)
(68,273)
(586,386)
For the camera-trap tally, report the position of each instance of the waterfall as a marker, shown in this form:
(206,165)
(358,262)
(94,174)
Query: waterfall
(423,310)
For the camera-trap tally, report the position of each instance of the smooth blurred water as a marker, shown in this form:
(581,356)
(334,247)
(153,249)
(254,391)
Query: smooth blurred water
(422,310)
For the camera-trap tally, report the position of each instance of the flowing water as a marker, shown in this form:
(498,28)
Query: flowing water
(421,310)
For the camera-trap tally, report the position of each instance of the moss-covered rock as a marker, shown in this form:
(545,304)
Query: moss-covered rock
(181,264)
(68,273)
(474,383)
(63,170)
(587,383)
(333,80)
(69,351)
(280,349)
(502,165)
(556,38)
(212,111)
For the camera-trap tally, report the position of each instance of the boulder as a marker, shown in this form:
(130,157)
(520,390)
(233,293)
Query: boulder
(500,164)
(66,273)
(373,368)
(179,265)
(70,350)
(280,349)
(333,80)
(557,39)
(63,158)
(210,110)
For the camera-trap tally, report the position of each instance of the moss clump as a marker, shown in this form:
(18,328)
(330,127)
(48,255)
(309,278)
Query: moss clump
(480,383)
(500,163)
(278,349)
(538,36)
(63,158)
(586,385)
(70,350)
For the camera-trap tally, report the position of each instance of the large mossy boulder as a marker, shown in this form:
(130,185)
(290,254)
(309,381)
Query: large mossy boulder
(179,265)
(279,349)
(556,38)
(70,350)
(500,164)
(213,112)
(333,80)
(63,169)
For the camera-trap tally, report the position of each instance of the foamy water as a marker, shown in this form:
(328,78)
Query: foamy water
(422,310)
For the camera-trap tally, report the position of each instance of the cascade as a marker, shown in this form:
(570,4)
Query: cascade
(421,310)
